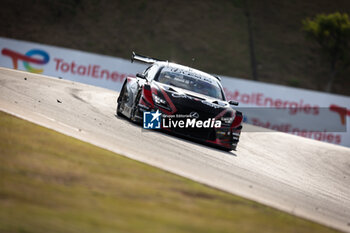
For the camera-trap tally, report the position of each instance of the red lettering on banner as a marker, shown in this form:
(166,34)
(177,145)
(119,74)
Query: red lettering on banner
(235,95)
(65,67)
(337,139)
(343,112)
(268,100)
(259,99)
(330,137)
(90,70)
(304,133)
(293,108)
(122,77)
(320,136)
(95,70)
(58,61)
(307,108)
(72,66)
(81,70)
(115,76)
(245,99)
(106,72)
(278,103)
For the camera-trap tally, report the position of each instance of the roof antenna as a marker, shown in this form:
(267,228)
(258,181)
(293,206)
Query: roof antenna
(193,59)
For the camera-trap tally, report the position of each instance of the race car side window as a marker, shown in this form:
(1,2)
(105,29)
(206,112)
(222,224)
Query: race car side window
(146,71)
(152,72)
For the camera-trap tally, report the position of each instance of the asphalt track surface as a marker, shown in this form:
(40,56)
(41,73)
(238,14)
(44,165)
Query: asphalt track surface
(301,176)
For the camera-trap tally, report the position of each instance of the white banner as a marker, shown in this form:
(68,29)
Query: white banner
(89,68)
(311,114)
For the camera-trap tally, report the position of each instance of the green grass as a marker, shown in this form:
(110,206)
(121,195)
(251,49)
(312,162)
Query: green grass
(50,182)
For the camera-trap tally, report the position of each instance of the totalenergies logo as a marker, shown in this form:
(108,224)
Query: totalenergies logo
(28,59)
(343,112)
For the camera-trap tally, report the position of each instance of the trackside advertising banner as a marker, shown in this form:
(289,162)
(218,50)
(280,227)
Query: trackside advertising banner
(98,70)
(312,114)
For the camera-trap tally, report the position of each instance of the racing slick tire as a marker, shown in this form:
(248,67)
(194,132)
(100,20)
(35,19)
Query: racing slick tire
(134,111)
(121,101)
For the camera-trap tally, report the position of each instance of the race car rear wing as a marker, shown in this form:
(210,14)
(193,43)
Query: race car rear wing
(141,58)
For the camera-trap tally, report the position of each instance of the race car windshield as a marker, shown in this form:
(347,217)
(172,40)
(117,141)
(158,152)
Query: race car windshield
(191,82)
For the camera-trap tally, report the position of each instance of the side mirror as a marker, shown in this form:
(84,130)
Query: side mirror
(140,76)
(232,102)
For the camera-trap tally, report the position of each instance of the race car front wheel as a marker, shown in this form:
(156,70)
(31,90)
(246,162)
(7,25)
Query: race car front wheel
(121,100)
(134,116)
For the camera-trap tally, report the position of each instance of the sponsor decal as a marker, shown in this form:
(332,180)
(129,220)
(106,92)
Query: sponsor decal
(155,120)
(262,100)
(319,135)
(28,58)
(194,115)
(90,70)
(151,120)
(294,107)
(343,112)
(39,57)
(190,123)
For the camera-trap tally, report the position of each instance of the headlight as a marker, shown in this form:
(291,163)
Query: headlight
(157,99)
